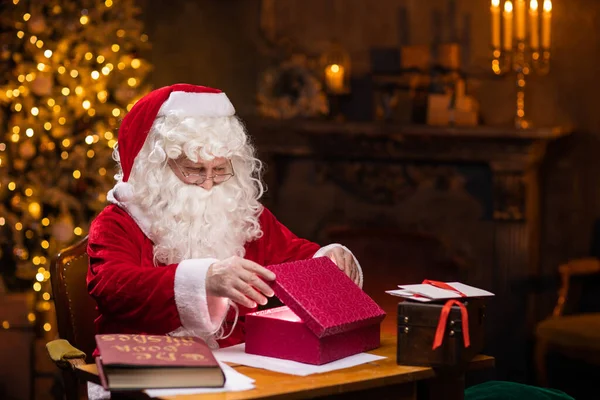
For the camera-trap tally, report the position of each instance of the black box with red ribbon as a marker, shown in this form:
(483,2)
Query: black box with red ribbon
(446,333)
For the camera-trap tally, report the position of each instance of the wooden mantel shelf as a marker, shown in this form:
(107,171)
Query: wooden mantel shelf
(398,130)
(502,148)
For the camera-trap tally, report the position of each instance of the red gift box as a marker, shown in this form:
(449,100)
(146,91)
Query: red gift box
(326,316)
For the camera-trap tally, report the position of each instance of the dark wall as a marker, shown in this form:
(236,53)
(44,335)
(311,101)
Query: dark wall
(217,43)
(206,42)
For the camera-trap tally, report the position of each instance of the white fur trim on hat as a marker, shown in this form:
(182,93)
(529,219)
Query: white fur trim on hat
(190,104)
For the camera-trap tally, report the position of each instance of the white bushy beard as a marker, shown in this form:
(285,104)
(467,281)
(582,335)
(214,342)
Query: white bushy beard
(188,221)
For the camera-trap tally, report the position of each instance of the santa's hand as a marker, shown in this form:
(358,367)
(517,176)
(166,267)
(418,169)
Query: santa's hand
(345,261)
(239,280)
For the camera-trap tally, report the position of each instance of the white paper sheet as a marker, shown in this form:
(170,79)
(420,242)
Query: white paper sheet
(235,382)
(428,292)
(237,354)
(470,290)
(408,295)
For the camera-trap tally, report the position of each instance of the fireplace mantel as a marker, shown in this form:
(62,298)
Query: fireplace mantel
(367,160)
(501,148)
(511,154)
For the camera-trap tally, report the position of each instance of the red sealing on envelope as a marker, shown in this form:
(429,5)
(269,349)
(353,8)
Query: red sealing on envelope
(443,285)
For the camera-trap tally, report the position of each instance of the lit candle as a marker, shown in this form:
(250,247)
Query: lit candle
(495,9)
(334,77)
(534,34)
(546,18)
(520,19)
(508,25)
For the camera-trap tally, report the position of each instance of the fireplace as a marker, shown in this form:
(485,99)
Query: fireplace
(419,202)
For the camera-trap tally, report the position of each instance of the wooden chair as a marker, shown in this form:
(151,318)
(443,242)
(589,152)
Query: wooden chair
(573,329)
(75,313)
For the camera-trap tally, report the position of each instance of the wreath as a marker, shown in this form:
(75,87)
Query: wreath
(291,90)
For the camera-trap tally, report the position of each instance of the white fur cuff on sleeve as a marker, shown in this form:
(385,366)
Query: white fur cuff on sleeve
(198,312)
(321,252)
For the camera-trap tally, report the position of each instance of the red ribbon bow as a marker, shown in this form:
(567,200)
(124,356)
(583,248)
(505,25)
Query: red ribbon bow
(441,328)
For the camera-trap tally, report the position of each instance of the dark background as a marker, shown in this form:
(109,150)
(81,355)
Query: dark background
(220,44)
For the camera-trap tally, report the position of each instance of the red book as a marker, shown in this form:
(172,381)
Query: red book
(136,362)
(326,316)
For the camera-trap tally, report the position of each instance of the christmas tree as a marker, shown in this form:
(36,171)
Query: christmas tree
(69,72)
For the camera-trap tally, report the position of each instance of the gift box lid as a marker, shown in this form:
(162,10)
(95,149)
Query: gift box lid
(323,296)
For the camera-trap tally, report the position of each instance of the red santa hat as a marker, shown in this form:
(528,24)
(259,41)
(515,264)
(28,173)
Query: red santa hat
(181,99)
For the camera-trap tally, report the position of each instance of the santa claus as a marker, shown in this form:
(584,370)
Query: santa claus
(181,248)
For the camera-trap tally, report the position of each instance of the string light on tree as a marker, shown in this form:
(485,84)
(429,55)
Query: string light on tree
(58,102)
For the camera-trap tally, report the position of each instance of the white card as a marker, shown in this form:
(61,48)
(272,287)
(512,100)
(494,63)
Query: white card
(430,291)
(408,295)
(470,291)
(436,293)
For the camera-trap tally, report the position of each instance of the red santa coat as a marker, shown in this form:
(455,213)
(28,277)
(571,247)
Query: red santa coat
(135,296)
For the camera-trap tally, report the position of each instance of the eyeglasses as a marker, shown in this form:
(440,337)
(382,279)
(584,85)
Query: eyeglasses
(222,174)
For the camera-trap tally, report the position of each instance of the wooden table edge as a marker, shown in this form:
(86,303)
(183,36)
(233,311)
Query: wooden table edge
(419,374)
(288,386)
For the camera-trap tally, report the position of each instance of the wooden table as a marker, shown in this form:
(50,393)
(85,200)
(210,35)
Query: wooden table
(379,380)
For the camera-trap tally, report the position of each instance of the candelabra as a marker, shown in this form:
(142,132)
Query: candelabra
(519,57)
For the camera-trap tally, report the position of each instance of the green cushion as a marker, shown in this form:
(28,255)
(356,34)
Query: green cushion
(61,351)
(573,331)
(500,390)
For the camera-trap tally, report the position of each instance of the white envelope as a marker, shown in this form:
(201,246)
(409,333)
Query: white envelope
(425,292)
(470,291)
(408,295)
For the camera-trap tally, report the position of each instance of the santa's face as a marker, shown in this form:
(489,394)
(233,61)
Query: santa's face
(205,174)
(197,209)
(197,182)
